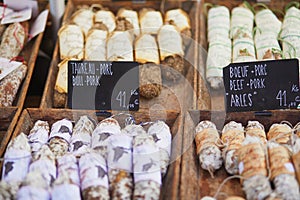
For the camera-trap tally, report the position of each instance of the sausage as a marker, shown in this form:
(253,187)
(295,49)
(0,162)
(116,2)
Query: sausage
(209,153)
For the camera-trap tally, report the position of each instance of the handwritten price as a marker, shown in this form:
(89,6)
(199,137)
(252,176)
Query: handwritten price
(123,100)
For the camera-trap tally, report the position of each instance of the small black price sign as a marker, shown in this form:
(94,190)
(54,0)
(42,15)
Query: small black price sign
(103,85)
(262,85)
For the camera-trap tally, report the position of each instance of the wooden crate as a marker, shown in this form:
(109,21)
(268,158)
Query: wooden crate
(196,182)
(208,98)
(8,119)
(174,95)
(170,185)
(9,115)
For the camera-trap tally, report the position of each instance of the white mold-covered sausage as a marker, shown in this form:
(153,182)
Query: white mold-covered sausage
(16,160)
(161,134)
(282,171)
(119,46)
(106,17)
(44,163)
(132,17)
(93,176)
(95,43)
(242,20)
(84,18)
(119,161)
(146,168)
(209,153)
(102,132)
(232,137)
(150,21)
(146,53)
(38,135)
(81,137)
(60,137)
(218,23)
(171,52)
(34,187)
(218,57)
(253,168)
(71,41)
(64,188)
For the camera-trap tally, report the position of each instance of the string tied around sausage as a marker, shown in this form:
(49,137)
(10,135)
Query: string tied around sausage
(218,192)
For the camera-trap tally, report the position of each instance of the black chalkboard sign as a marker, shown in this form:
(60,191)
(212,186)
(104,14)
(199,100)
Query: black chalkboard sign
(101,85)
(262,85)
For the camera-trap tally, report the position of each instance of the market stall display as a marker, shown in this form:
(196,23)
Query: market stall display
(257,31)
(255,162)
(164,150)
(124,19)
(73,169)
